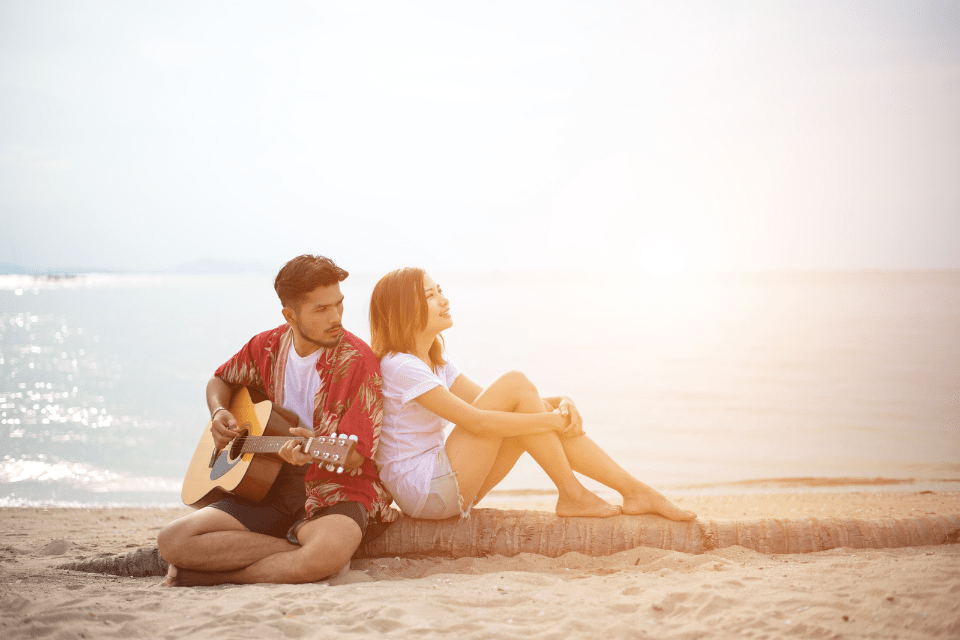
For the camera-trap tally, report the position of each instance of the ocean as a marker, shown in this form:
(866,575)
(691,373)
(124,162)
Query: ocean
(694,383)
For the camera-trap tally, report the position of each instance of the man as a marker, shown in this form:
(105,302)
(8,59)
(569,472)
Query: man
(312,521)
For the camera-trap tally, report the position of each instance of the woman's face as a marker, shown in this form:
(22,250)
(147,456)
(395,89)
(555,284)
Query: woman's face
(438,307)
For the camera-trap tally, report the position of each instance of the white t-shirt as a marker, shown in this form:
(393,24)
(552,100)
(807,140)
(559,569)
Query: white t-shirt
(301,381)
(411,435)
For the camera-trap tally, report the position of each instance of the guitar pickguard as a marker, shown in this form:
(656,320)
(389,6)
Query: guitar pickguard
(223,465)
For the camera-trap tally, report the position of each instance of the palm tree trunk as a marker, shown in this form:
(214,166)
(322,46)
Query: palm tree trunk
(508,533)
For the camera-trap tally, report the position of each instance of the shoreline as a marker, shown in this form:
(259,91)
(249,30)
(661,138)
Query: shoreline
(831,501)
(541,499)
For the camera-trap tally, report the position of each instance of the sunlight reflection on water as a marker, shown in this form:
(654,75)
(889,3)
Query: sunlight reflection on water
(686,380)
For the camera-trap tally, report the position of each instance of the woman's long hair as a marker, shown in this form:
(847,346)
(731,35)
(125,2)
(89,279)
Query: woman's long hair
(398,310)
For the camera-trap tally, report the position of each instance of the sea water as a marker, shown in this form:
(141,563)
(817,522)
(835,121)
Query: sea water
(690,382)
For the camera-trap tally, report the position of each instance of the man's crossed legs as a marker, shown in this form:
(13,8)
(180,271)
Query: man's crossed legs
(239,542)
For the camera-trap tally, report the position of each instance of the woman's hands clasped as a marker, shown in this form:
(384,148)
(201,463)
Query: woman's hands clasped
(574,421)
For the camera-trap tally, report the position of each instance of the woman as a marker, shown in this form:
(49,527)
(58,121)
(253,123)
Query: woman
(423,393)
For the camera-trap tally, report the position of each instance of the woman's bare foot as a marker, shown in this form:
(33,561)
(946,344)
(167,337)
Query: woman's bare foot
(581,503)
(649,501)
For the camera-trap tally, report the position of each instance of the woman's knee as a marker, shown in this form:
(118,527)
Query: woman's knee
(518,383)
(511,391)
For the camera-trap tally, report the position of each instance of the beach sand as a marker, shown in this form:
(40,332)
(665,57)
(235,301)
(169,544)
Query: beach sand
(911,592)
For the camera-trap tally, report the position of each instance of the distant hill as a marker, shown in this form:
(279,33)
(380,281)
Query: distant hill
(8,268)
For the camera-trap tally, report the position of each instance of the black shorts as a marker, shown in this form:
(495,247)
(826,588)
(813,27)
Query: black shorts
(281,511)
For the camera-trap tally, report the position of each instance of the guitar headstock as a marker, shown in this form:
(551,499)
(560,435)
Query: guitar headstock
(332,452)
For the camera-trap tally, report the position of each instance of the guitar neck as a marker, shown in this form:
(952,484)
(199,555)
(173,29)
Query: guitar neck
(267,444)
(329,450)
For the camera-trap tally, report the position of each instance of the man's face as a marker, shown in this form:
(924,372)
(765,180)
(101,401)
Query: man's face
(317,319)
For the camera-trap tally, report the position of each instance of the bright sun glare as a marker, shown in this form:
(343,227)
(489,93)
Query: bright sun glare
(661,258)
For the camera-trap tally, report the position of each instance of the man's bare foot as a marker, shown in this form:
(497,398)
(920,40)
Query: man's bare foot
(171,579)
(177,577)
(585,505)
(649,501)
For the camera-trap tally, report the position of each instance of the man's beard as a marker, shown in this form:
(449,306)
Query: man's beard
(325,340)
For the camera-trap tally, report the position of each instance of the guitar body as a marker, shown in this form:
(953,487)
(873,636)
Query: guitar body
(249,476)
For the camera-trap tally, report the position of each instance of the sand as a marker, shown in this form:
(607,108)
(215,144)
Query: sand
(911,592)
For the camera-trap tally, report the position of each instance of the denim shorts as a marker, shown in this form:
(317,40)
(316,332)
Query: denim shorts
(444,499)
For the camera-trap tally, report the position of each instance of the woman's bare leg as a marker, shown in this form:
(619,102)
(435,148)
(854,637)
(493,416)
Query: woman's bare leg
(575,499)
(471,457)
(588,458)
(510,451)
(470,454)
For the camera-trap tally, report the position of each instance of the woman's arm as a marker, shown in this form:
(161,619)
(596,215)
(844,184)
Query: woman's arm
(481,422)
(466,389)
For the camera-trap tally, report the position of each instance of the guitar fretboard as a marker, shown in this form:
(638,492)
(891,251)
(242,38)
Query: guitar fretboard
(330,448)
(267,444)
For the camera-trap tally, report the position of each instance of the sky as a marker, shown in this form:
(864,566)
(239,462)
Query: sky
(546,136)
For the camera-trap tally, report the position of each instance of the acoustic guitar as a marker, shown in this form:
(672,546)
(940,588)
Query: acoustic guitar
(246,467)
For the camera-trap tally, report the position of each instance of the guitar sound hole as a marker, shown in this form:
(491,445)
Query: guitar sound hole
(236,447)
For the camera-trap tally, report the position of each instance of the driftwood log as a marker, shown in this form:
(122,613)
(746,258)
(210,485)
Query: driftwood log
(508,533)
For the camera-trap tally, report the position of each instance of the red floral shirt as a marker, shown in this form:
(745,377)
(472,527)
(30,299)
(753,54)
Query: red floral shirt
(349,401)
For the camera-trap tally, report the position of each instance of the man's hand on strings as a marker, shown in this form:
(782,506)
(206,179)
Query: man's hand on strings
(224,428)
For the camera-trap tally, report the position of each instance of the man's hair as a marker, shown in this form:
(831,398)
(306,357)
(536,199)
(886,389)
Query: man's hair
(398,310)
(302,275)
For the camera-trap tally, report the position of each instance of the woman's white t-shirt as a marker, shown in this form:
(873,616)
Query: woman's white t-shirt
(411,435)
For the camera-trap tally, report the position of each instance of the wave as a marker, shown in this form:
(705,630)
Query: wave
(77,475)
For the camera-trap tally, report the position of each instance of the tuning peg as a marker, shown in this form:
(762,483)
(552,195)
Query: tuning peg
(354,438)
(329,467)
(339,469)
